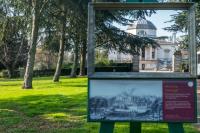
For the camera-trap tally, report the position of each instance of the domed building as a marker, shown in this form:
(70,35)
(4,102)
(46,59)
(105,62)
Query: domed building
(150,59)
(142,27)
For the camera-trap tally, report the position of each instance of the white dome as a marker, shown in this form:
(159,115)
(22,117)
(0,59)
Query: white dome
(142,24)
(142,27)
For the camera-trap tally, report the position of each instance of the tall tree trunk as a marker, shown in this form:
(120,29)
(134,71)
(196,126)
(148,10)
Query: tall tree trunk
(75,63)
(28,76)
(83,60)
(61,50)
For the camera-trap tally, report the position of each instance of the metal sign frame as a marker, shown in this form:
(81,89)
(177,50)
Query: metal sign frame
(92,7)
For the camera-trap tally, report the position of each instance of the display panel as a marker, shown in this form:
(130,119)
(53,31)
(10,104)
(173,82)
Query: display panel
(142,100)
(92,26)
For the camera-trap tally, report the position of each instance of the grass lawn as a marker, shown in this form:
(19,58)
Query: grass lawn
(54,108)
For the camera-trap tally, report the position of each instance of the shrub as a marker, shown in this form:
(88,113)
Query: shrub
(16,74)
(5,74)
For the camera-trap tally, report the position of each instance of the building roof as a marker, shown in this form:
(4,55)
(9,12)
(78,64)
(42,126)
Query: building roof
(142,24)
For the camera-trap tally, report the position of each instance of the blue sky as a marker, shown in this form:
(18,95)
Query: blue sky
(159,20)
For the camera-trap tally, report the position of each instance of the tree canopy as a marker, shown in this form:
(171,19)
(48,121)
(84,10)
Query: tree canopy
(180,24)
(62,25)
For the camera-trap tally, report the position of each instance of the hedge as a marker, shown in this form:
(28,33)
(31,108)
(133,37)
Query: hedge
(66,72)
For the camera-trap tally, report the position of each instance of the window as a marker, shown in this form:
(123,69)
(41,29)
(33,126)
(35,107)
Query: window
(143,52)
(198,57)
(153,53)
(141,33)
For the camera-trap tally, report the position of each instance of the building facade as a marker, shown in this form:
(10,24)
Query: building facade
(150,59)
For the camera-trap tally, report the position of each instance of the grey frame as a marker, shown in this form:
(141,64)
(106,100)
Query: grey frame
(157,6)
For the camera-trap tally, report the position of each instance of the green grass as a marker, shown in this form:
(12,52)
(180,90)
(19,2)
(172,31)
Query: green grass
(54,108)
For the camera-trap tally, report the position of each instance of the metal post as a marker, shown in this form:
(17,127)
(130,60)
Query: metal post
(106,127)
(135,127)
(91,40)
(175,127)
(192,41)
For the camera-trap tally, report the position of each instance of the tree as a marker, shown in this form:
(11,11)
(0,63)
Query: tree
(13,47)
(74,33)
(63,21)
(13,34)
(75,60)
(83,33)
(180,24)
(77,33)
(83,58)
(37,7)
(62,11)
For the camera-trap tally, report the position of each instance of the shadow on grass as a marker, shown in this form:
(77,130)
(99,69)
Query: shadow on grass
(44,111)
(55,113)
(74,85)
(44,104)
(8,85)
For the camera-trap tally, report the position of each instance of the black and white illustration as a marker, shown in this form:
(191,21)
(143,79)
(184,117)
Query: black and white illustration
(124,100)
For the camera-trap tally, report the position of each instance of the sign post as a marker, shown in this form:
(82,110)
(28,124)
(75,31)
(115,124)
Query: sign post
(106,127)
(136,97)
(135,127)
(176,127)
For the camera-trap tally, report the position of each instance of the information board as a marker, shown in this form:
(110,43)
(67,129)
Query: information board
(178,100)
(142,100)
